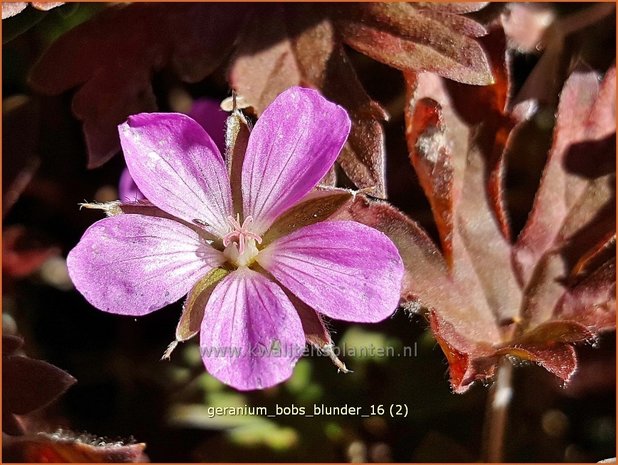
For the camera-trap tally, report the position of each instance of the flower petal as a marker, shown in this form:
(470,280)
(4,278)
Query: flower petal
(343,269)
(178,167)
(251,335)
(292,146)
(135,264)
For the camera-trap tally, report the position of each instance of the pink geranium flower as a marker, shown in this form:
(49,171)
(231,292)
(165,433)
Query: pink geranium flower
(133,264)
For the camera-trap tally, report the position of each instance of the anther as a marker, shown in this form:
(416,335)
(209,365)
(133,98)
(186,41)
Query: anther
(240,233)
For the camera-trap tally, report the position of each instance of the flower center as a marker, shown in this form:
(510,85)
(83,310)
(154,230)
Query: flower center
(239,243)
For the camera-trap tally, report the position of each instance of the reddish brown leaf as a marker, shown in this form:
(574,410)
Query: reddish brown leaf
(113,61)
(31,384)
(292,44)
(549,346)
(452,163)
(66,447)
(456,22)
(412,38)
(575,205)
(556,332)
(265,63)
(453,7)
(486,106)
(298,44)
(590,226)
(432,163)
(457,137)
(362,158)
(559,359)
(584,114)
(592,302)
(463,355)
(458,362)
(597,251)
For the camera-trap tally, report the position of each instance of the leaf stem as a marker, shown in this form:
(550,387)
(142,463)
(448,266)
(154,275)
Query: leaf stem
(496,415)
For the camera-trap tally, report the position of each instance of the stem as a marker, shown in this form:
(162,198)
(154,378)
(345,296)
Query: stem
(498,402)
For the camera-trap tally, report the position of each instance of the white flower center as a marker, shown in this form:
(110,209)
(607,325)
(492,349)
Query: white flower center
(240,242)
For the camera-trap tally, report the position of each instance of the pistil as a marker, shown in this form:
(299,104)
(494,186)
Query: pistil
(240,243)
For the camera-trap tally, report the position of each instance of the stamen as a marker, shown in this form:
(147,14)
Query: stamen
(240,233)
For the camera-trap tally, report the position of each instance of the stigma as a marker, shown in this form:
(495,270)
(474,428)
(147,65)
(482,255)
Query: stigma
(240,242)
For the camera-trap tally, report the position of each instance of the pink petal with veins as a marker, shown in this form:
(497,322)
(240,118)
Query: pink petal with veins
(135,264)
(251,336)
(177,166)
(345,270)
(292,146)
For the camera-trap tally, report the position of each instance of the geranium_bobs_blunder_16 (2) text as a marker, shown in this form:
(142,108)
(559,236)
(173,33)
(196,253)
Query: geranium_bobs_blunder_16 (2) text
(250,283)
